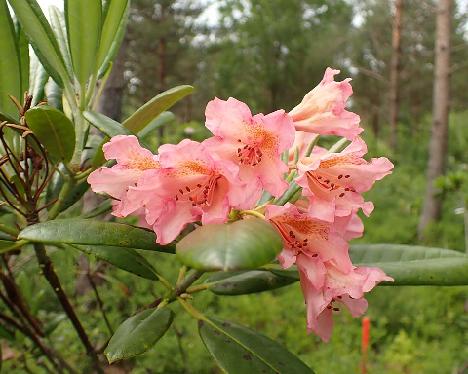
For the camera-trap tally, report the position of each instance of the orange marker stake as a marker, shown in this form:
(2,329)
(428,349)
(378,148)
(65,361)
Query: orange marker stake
(365,339)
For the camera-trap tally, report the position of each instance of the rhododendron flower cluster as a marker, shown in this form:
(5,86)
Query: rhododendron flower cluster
(249,165)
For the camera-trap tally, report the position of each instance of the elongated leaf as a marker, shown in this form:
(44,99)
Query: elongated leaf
(105,124)
(408,265)
(57,21)
(139,333)
(83,19)
(162,120)
(124,258)
(10,77)
(53,94)
(23,57)
(245,282)
(153,108)
(37,80)
(237,349)
(378,253)
(111,53)
(245,244)
(41,37)
(7,245)
(87,231)
(115,13)
(54,130)
(76,193)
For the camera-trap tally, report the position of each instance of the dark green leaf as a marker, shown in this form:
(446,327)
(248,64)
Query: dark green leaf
(153,108)
(41,37)
(23,53)
(105,124)
(54,130)
(83,19)
(245,244)
(87,231)
(245,282)
(237,349)
(115,14)
(139,333)
(75,194)
(10,76)
(124,258)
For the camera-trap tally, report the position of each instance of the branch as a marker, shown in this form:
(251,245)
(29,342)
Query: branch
(49,273)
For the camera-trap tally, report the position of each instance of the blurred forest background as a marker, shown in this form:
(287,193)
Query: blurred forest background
(269,53)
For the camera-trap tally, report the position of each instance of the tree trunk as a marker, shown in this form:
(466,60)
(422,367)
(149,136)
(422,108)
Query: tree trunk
(395,68)
(439,134)
(111,99)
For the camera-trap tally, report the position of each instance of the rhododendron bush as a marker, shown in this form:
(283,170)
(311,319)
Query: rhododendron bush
(266,200)
(261,167)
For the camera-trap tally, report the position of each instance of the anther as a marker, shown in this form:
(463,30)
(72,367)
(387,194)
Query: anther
(340,176)
(347,176)
(342,194)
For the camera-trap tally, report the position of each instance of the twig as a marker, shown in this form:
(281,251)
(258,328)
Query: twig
(99,302)
(49,273)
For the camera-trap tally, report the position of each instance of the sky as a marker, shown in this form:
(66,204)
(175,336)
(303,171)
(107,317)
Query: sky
(211,15)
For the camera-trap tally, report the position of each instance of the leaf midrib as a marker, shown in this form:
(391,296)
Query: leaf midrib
(242,345)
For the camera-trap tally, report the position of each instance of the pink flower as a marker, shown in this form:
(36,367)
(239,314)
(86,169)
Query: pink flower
(322,110)
(302,140)
(334,182)
(303,234)
(332,288)
(255,143)
(132,161)
(189,186)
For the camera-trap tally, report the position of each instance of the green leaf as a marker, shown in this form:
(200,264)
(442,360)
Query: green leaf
(414,265)
(7,245)
(124,258)
(139,333)
(106,65)
(37,80)
(153,108)
(57,21)
(23,53)
(244,244)
(105,124)
(246,282)
(87,231)
(407,264)
(53,94)
(75,194)
(115,14)
(83,19)
(162,120)
(41,37)
(237,349)
(10,76)
(54,130)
